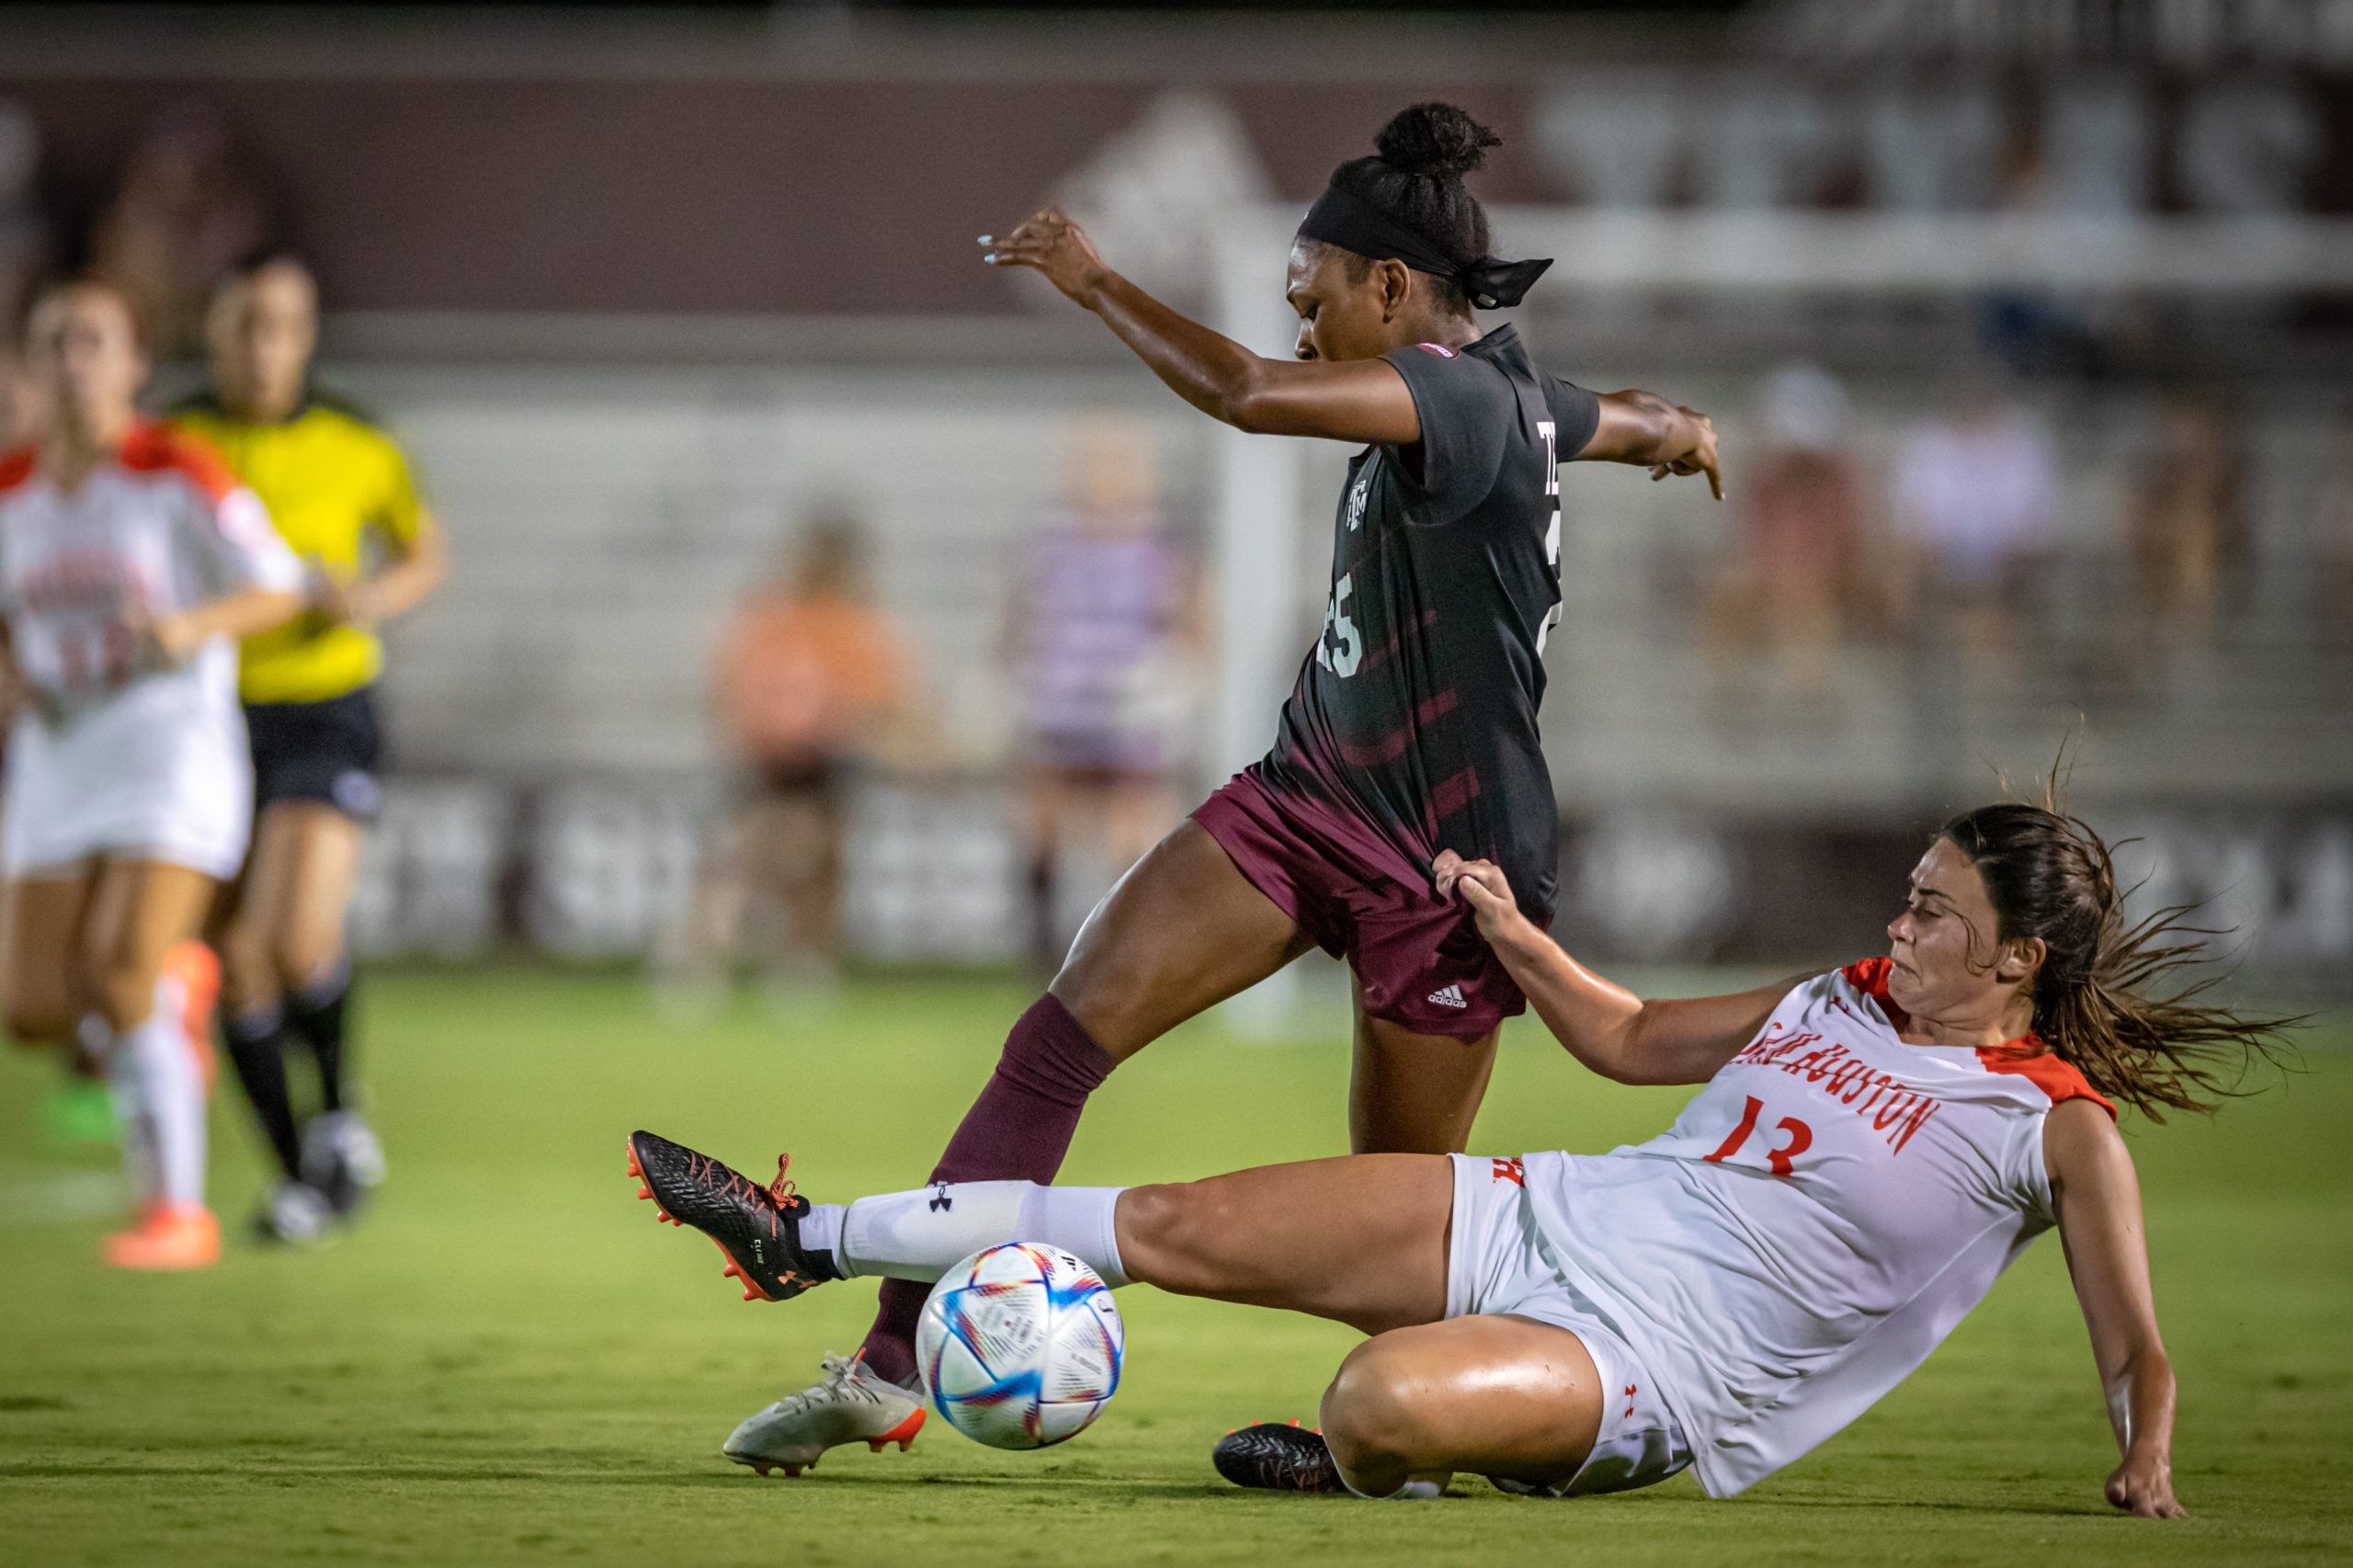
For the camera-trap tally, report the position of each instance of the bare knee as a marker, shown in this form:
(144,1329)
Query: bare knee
(248,975)
(299,960)
(124,993)
(1368,1412)
(1167,1233)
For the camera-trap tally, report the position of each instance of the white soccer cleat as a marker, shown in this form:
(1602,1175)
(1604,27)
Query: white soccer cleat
(294,1214)
(850,1405)
(342,1158)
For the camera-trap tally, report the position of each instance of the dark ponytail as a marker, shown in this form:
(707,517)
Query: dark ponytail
(2095,1000)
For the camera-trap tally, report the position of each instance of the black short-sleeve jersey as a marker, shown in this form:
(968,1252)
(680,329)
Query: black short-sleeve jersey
(1417,708)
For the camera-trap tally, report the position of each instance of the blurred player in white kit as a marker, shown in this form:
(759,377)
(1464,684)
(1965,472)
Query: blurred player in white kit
(131,564)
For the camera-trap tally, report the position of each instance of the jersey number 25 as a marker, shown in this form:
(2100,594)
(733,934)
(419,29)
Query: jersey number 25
(1343,658)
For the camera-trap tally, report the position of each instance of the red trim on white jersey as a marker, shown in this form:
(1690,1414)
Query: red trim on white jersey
(158,449)
(2026,1056)
(2031,1059)
(149,448)
(1869,977)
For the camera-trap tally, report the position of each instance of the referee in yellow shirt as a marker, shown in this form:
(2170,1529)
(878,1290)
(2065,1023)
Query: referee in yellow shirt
(340,490)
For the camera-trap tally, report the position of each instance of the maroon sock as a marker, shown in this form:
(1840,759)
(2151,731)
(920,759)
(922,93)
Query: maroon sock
(1017,1130)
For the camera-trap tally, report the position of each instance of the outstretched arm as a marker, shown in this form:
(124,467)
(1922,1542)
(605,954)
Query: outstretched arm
(419,564)
(1644,428)
(2098,1196)
(1361,401)
(1602,1024)
(243,613)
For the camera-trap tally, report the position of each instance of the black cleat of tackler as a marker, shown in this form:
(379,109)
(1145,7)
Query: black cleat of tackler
(757,1228)
(1272,1457)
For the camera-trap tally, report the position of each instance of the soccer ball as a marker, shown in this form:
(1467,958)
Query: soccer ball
(1020,1346)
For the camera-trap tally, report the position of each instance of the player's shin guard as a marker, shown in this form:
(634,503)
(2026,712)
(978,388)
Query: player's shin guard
(127,1087)
(316,1014)
(161,1090)
(1019,1130)
(920,1235)
(252,1039)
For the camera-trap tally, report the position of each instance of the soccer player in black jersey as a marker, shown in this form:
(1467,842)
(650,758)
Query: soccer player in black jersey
(1412,729)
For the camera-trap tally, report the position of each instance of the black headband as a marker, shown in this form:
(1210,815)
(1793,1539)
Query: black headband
(1343,218)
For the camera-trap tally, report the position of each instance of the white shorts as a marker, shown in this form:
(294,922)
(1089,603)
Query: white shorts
(1493,1266)
(136,775)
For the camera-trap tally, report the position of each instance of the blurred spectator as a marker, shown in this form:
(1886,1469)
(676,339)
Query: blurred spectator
(809,682)
(1783,602)
(24,232)
(2184,531)
(1102,633)
(2034,330)
(188,210)
(1977,500)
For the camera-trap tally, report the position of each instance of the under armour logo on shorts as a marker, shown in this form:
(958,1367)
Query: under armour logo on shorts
(940,1199)
(1512,1171)
(1448,996)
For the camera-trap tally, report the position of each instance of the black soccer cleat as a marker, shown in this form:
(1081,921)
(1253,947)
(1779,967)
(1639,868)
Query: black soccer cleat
(1277,1457)
(757,1228)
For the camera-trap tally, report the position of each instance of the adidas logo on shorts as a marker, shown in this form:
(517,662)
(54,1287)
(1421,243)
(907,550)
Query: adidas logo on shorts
(1448,996)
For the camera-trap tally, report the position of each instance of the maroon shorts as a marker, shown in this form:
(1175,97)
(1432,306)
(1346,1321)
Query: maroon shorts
(1419,962)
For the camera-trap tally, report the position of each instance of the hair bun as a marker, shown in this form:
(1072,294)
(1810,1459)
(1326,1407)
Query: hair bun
(1436,140)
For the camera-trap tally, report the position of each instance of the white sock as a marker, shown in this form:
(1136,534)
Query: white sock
(921,1235)
(1414,1491)
(126,1082)
(821,1229)
(169,1097)
(1079,1221)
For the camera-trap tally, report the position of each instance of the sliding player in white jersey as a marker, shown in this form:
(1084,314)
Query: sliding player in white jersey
(130,565)
(1872,1148)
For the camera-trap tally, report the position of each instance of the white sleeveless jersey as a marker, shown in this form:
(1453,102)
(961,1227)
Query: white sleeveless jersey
(159,529)
(1815,1224)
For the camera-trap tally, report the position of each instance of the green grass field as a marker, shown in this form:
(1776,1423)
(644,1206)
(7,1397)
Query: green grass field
(509,1362)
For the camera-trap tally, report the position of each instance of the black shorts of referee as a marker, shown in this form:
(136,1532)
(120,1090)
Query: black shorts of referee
(326,752)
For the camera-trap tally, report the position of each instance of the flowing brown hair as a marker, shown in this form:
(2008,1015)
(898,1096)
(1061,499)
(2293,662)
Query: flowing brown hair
(2111,999)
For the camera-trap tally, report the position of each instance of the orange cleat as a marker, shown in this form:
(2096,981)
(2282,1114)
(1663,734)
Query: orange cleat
(198,970)
(168,1236)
